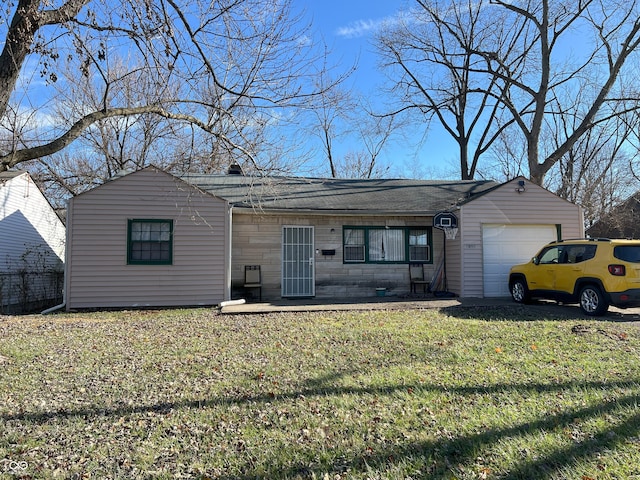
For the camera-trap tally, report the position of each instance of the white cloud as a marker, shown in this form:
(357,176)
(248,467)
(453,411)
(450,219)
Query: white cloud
(304,40)
(361,28)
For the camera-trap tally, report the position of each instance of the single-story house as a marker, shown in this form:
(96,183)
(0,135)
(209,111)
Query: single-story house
(32,246)
(151,239)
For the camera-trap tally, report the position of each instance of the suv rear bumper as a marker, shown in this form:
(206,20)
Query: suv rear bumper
(628,298)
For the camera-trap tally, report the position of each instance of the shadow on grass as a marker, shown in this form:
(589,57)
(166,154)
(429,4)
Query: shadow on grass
(313,388)
(537,310)
(447,453)
(442,456)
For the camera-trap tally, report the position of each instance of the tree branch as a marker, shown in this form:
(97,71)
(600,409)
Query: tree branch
(14,158)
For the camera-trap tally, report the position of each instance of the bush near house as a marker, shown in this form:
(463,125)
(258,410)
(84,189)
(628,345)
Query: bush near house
(30,284)
(514,392)
(26,291)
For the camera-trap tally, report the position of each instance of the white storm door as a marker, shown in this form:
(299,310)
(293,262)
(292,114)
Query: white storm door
(297,262)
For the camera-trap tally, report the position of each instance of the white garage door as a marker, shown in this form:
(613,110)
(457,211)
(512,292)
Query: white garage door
(506,245)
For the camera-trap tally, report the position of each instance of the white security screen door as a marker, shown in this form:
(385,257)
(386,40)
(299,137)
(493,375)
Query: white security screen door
(297,262)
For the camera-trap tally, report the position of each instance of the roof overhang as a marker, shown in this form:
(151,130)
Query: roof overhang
(245,210)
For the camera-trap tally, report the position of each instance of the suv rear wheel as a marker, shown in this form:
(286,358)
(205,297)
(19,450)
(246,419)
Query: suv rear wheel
(592,301)
(519,290)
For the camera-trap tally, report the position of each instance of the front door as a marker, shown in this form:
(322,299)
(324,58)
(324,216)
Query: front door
(297,262)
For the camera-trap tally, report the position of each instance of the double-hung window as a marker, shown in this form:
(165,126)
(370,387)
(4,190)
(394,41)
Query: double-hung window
(354,245)
(150,242)
(419,250)
(387,245)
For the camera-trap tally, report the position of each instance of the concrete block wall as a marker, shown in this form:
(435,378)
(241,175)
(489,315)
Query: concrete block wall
(257,240)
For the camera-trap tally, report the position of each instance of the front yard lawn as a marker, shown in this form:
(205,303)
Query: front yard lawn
(457,393)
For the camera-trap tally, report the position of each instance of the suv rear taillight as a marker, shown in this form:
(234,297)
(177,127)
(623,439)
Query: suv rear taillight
(617,270)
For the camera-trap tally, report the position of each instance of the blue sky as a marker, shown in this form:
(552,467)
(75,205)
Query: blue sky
(348,28)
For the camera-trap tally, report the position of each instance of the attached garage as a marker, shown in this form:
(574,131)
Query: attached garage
(502,227)
(504,245)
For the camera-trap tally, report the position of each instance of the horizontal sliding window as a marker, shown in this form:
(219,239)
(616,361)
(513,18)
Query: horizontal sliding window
(150,242)
(386,245)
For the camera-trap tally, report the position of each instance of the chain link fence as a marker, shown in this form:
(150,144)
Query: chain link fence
(30,291)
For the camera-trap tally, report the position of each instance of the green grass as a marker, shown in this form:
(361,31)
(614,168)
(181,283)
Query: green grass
(458,393)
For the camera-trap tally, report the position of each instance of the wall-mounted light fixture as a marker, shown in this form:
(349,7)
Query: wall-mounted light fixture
(520,188)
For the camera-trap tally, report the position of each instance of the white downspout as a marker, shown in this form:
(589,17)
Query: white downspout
(66,264)
(64,293)
(228,263)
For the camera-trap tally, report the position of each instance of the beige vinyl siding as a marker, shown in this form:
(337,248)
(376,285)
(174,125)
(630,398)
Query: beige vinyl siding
(504,205)
(454,275)
(97,270)
(257,240)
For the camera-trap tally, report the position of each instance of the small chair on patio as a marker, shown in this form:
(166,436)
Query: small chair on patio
(416,276)
(253,278)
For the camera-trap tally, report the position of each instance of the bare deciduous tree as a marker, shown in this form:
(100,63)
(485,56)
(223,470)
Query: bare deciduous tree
(371,134)
(431,54)
(331,116)
(531,59)
(338,113)
(595,172)
(118,144)
(230,68)
(375,133)
(546,76)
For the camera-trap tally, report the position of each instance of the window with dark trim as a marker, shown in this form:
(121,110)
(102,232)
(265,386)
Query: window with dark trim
(419,248)
(150,242)
(387,244)
(354,245)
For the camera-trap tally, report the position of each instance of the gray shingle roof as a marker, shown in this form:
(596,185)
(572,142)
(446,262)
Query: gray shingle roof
(414,197)
(10,174)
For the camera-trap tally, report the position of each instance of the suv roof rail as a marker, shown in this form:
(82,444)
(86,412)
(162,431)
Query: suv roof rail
(585,238)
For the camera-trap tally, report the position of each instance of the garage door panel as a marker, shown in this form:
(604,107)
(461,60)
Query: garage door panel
(506,245)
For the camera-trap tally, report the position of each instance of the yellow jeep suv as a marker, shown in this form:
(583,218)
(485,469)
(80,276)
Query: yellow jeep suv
(595,273)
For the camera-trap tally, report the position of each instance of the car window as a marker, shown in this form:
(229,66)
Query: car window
(627,253)
(549,255)
(579,253)
(589,252)
(563,254)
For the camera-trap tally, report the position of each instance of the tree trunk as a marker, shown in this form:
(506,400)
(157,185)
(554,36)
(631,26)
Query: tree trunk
(20,35)
(464,160)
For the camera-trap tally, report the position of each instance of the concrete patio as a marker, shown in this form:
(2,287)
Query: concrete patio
(629,316)
(361,303)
